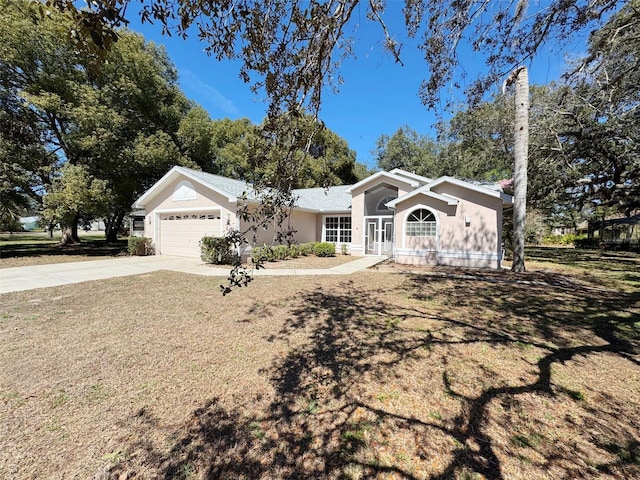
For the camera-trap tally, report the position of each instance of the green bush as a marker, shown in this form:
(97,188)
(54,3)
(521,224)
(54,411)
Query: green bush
(140,246)
(294,250)
(566,239)
(262,254)
(324,249)
(306,249)
(344,249)
(588,243)
(283,252)
(217,250)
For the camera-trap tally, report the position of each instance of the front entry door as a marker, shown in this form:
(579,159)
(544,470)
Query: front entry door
(371,242)
(378,236)
(387,240)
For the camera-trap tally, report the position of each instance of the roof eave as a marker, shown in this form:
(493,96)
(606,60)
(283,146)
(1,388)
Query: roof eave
(426,192)
(377,175)
(506,199)
(170,176)
(330,210)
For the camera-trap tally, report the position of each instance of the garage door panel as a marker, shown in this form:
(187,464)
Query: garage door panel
(180,234)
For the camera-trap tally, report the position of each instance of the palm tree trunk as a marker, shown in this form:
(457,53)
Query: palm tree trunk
(520,79)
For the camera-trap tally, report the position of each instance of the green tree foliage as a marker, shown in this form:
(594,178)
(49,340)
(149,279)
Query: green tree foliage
(25,165)
(119,121)
(478,141)
(599,117)
(195,137)
(73,197)
(232,143)
(408,150)
(239,149)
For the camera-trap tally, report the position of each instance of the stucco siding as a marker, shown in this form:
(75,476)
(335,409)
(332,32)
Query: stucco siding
(205,202)
(305,224)
(357,222)
(477,225)
(467,234)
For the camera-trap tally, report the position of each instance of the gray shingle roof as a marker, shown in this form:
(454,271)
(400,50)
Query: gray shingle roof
(490,185)
(332,199)
(229,185)
(319,199)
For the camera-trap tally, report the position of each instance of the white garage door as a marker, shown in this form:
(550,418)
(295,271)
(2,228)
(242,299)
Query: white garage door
(180,234)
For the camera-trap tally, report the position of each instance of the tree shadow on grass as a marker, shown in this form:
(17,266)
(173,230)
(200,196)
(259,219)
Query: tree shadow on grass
(322,421)
(586,259)
(552,318)
(89,248)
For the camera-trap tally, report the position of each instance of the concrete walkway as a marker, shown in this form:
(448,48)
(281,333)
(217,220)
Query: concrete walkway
(41,276)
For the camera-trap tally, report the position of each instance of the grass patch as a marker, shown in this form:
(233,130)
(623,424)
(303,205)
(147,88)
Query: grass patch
(20,249)
(527,441)
(531,376)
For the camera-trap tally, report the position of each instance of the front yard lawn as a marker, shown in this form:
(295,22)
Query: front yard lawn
(433,374)
(36,248)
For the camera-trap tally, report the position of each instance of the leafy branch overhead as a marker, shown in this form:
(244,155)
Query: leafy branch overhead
(293,48)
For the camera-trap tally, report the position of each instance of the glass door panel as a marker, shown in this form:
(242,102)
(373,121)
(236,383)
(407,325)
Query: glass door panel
(372,237)
(387,246)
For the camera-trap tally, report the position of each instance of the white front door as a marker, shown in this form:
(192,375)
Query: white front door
(378,235)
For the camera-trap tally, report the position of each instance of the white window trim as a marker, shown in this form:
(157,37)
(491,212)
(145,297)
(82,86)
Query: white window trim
(406,217)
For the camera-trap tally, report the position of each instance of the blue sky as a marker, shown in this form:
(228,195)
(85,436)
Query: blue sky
(377,97)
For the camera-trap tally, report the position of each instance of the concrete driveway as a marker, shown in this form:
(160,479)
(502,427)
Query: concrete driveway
(41,276)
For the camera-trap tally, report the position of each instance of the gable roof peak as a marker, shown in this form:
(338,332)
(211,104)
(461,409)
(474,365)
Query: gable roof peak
(412,182)
(411,175)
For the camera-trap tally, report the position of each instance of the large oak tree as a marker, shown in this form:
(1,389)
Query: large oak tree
(118,121)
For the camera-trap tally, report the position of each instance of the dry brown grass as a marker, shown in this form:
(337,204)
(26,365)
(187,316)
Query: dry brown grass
(436,374)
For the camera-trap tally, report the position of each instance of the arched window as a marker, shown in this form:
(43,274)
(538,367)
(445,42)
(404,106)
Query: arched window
(184,191)
(421,223)
(381,205)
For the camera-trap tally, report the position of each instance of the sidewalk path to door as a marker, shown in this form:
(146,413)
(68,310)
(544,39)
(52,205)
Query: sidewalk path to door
(41,276)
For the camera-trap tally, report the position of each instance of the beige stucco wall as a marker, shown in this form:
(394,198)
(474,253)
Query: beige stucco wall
(357,222)
(458,243)
(304,223)
(306,226)
(205,200)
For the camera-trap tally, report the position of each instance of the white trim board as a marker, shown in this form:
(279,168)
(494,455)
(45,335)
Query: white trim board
(409,252)
(188,210)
